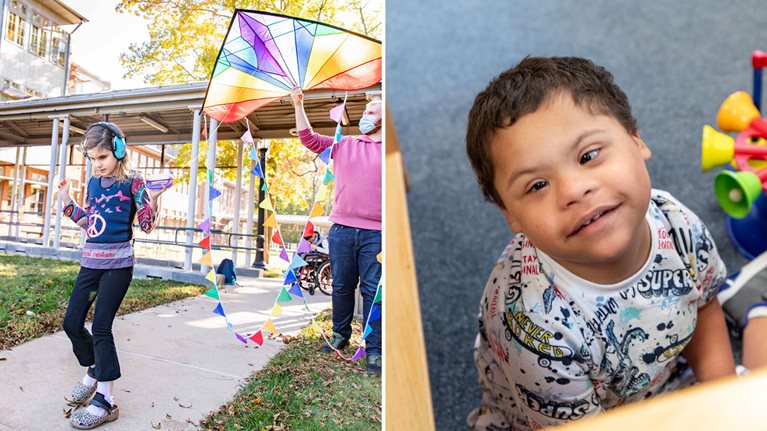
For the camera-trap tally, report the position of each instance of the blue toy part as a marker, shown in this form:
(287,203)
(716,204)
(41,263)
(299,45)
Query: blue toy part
(748,234)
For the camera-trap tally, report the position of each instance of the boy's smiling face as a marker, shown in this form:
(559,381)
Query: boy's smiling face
(576,184)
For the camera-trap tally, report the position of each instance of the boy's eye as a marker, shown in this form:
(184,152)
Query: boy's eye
(537,186)
(589,156)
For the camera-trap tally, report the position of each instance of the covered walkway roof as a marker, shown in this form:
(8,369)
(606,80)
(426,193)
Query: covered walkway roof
(164,115)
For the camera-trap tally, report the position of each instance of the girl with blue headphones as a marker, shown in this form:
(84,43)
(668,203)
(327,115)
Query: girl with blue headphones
(116,195)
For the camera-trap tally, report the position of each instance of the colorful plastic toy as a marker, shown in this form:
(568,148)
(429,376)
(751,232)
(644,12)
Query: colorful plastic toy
(739,189)
(159,181)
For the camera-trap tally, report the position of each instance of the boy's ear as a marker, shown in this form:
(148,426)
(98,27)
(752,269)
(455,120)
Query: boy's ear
(513,224)
(644,150)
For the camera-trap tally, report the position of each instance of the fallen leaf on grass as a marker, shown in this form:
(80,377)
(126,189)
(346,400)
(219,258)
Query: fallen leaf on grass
(185,407)
(158,426)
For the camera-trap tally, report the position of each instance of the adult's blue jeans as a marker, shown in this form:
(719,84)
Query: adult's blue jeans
(353,259)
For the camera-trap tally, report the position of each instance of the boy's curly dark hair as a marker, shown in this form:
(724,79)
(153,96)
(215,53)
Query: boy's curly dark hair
(523,90)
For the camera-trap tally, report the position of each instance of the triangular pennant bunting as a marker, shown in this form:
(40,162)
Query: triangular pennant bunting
(206,260)
(241,338)
(247,137)
(337,113)
(375,313)
(213,193)
(379,295)
(328,177)
(379,257)
(296,290)
(213,293)
(269,326)
(368,330)
(257,171)
(219,310)
(308,229)
(205,226)
(325,155)
(284,255)
(205,243)
(277,238)
(284,296)
(211,276)
(316,210)
(258,338)
(297,262)
(271,221)
(290,277)
(277,310)
(266,204)
(253,154)
(303,247)
(338,136)
(360,353)
(263,187)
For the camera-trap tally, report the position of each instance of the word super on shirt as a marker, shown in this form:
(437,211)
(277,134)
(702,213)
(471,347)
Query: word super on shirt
(108,220)
(553,347)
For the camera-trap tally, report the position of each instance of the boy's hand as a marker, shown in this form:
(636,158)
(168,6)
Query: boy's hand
(66,198)
(297,96)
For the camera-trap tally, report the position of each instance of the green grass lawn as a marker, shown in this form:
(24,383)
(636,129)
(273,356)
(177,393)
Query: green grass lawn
(304,389)
(34,295)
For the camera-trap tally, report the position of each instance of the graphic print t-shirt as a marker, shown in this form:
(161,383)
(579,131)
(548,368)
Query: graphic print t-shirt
(553,347)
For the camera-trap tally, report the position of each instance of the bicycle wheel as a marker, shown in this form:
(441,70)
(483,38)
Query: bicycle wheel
(305,276)
(325,278)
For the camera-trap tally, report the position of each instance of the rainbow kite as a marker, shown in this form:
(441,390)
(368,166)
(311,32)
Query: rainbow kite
(265,56)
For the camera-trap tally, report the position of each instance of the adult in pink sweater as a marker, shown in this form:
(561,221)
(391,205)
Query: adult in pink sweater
(355,237)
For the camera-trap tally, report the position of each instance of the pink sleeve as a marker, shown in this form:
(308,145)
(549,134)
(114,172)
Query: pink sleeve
(146,218)
(315,142)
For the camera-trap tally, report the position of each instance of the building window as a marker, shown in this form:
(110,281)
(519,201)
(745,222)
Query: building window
(38,37)
(58,54)
(38,201)
(16,22)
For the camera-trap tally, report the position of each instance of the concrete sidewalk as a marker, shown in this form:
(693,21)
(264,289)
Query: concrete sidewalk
(178,361)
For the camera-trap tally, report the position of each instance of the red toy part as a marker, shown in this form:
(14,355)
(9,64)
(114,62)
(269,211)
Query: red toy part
(758,59)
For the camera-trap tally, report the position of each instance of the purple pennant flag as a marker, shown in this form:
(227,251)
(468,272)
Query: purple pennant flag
(290,277)
(296,290)
(240,337)
(337,113)
(375,313)
(205,226)
(368,330)
(219,310)
(359,354)
(213,193)
(284,255)
(325,155)
(247,137)
(303,247)
(257,171)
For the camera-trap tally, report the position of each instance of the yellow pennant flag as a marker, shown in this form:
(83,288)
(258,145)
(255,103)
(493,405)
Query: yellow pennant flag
(211,276)
(276,310)
(266,204)
(271,221)
(379,257)
(269,326)
(206,260)
(316,210)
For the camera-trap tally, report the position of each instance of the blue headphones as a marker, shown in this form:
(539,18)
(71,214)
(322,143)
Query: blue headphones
(119,145)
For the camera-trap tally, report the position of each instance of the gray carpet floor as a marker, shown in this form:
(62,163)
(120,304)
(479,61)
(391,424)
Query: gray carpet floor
(677,61)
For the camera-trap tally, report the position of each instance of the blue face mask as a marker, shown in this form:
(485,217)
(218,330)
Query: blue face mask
(367,124)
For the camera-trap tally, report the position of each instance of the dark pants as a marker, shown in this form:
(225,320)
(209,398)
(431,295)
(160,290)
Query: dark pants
(353,253)
(107,287)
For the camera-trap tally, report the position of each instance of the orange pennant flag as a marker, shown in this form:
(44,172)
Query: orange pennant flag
(316,210)
(206,260)
(269,326)
(271,221)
